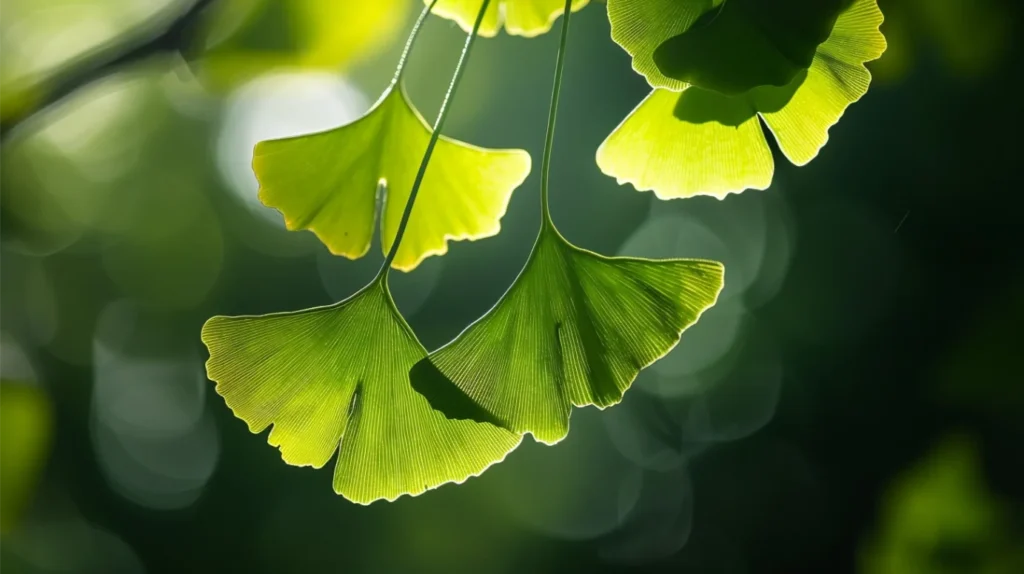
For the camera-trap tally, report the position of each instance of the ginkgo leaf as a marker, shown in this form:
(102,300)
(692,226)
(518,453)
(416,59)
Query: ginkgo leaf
(335,379)
(695,152)
(248,37)
(526,18)
(573,330)
(640,26)
(837,78)
(700,142)
(327,182)
(748,43)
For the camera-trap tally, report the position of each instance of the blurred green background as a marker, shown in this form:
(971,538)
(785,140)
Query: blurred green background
(853,403)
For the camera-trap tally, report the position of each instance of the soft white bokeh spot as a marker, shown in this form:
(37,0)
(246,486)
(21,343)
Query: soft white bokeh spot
(155,441)
(278,106)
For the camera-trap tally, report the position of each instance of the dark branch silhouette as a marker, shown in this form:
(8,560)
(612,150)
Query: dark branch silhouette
(153,38)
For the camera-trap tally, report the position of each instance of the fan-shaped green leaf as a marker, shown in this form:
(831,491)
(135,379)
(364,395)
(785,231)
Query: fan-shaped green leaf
(336,379)
(692,153)
(327,182)
(699,142)
(837,78)
(640,26)
(527,18)
(574,329)
(749,43)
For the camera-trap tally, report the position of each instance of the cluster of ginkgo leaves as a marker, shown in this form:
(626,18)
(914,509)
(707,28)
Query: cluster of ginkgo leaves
(575,328)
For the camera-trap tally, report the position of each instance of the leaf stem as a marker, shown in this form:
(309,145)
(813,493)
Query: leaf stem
(545,170)
(411,40)
(442,114)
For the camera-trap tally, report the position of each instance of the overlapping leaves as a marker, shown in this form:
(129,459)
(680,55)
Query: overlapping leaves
(573,330)
(702,142)
(753,43)
(335,380)
(641,26)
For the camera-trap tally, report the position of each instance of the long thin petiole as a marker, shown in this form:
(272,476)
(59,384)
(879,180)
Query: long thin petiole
(412,40)
(442,114)
(545,170)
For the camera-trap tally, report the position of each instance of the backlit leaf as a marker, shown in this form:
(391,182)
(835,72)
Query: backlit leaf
(700,142)
(836,79)
(327,182)
(335,379)
(749,43)
(640,26)
(573,330)
(694,153)
(527,18)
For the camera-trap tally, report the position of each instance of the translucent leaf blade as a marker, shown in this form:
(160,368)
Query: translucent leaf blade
(713,145)
(836,79)
(335,379)
(641,26)
(573,330)
(327,183)
(748,43)
(701,142)
(527,18)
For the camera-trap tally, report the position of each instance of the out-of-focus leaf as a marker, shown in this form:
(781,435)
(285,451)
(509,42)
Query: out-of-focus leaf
(970,34)
(748,43)
(244,38)
(574,329)
(19,98)
(336,379)
(970,37)
(25,427)
(39,40)
(941,518)
(711,143)
(526,18)
(61,179)
(327,183)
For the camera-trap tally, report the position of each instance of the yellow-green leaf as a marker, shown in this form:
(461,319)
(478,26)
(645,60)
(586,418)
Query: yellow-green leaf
(335,379)
(526,18)
(26,423)
(943,506)
(700,151)
(573,330)
(699,142)
(327,182)
(640,26)
(837,78)
(248,37)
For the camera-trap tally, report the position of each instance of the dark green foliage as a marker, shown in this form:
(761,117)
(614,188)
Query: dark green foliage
(747,43)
